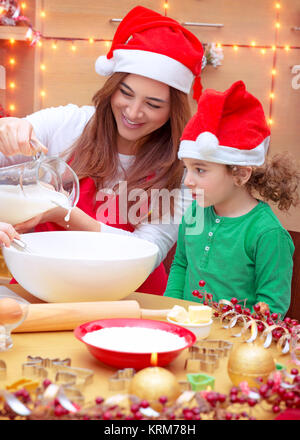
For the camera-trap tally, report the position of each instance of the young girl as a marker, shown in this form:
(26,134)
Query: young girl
(236,245)
(130,135)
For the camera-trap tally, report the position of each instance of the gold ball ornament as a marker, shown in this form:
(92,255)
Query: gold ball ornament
(247,362)
(153,382)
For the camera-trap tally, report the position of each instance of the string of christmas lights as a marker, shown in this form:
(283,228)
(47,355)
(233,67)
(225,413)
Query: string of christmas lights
(35,39)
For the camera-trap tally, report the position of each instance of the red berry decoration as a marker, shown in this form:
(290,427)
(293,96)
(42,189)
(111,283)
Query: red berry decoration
(195,292)
(202,283)
(234,300)
(256,307)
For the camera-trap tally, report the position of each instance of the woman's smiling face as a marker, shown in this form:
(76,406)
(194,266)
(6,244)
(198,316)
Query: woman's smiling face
(140,106)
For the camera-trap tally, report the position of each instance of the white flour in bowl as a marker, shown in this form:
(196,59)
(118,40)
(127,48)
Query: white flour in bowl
(135,339)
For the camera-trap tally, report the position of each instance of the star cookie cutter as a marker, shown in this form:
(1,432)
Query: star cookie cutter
(121,379)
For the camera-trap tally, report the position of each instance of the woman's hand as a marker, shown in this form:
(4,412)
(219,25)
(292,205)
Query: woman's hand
(7,234)
(15,136)
(79,221)
(55,215)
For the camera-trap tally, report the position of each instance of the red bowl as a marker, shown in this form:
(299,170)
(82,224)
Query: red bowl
(137,361)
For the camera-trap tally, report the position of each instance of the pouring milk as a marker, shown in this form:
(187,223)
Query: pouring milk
(31,188)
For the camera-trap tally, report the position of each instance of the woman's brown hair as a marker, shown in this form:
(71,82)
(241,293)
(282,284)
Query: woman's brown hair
(277,180)
(156,165)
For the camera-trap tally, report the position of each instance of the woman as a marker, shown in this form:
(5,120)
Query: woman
(130,135)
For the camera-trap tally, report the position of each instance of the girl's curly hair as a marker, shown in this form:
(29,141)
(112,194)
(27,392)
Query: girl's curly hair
(276,180)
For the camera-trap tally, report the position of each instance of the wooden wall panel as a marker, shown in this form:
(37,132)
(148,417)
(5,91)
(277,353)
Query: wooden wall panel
(70,77)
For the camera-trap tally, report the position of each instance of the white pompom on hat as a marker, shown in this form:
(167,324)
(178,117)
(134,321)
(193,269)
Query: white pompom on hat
(229,127)
(149,44)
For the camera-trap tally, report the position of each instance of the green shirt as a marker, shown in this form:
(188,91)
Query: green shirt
(244,257)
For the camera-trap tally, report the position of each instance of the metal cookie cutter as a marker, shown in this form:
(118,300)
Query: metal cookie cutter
(37,366)
(73,375)
(206,355)
(121,379)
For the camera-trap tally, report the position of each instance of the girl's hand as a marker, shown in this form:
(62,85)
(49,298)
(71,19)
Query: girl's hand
(15,136)
(7,234)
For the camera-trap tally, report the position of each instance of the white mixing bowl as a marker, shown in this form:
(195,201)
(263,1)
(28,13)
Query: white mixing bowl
(73,266)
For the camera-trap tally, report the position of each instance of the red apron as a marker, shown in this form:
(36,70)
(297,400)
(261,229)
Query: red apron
(156,283)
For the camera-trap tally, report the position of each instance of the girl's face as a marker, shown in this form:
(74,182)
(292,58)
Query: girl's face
(210,183)
(140,106)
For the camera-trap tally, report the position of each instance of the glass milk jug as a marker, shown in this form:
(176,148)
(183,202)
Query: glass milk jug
(34,187)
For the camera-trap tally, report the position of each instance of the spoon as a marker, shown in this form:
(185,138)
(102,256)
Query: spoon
(20,245)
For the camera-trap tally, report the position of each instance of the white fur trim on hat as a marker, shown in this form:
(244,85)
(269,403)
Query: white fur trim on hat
(149,64)
(213,152)
(104,66)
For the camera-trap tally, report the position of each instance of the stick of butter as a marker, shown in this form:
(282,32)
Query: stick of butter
(199,314)
(178,314)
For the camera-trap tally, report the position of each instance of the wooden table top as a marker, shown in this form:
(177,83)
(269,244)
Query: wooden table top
(63,344)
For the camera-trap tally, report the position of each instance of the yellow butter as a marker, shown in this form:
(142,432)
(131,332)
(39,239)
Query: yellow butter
(178,314)
(199,314)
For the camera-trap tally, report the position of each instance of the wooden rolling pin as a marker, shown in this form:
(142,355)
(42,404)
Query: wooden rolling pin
(67,316)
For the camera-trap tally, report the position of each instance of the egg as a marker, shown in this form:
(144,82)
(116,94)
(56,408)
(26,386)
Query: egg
(10,311)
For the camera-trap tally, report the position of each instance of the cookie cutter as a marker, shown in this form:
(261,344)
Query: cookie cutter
(200,382)
(206,355)
(121,379)
(3,370)
(65,374)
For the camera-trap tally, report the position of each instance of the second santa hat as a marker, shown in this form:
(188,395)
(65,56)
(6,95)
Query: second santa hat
(229,127)
(149,44)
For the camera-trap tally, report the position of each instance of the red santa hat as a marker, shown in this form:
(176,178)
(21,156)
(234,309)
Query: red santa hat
(229,127)
(149,44)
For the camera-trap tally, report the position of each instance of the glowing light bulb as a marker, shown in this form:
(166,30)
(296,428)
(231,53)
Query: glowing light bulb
(12,107)
(263,51)
(23,5)
(253,44)
(273,47)
(43,14)
(219,45)
(235,47)
(277,25)
(43,67)
(73,47)
(43,93)
(270,121)
(107,44)
(12,40)
(272,95)
(166,5)
(40,44)
(54,46)
(12,61)
(12,85)
(287,47)
(277,5)
(91,40)
(273,71)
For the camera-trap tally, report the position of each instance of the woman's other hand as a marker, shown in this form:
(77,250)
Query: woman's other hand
(7,234)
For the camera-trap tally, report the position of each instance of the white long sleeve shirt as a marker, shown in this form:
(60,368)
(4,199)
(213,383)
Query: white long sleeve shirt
(58,128)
